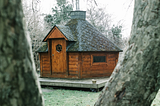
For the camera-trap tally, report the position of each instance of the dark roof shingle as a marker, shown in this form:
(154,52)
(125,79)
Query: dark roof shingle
(65,30)
(89,38)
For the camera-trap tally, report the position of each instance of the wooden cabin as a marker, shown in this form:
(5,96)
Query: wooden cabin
(77,50)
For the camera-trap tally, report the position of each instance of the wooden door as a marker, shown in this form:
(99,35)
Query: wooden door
(58,56)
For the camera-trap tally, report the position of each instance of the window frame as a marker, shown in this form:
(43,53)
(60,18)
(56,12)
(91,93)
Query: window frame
(98,63)
(57,48)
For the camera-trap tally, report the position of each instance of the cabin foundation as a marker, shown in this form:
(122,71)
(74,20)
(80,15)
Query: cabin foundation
(83,83)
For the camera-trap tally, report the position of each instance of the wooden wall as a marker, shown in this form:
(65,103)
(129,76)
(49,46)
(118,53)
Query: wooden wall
(90,69)
(80,65)
(73,63)
(44,64)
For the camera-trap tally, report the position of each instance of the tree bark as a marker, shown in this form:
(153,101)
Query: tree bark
(19,85)
(136,78)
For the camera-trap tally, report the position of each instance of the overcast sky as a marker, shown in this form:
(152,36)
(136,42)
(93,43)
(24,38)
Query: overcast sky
(119,10)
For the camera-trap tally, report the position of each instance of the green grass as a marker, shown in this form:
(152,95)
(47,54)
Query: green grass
(60,97)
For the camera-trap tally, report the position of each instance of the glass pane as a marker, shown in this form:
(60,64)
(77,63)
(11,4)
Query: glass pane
(99,59)
(59,48)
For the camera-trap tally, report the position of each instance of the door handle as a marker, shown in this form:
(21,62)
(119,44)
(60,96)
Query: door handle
(52,54)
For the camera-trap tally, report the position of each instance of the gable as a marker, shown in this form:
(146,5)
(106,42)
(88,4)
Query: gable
(54,33)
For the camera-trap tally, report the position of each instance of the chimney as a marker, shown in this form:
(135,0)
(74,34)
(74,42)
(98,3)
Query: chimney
(78,15)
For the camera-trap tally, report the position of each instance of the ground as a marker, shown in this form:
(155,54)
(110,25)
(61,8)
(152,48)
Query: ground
(66,97)
(75,97)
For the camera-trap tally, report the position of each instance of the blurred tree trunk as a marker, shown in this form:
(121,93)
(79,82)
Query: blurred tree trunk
(34,25)
(136,78)
(19,85)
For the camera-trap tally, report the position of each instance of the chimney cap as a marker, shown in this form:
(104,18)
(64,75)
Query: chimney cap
(78,14)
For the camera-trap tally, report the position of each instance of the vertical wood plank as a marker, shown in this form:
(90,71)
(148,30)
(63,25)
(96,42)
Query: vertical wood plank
(49,54)
(79,64)
(40,58)
(67,61)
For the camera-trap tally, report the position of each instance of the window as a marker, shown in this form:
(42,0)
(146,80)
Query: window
(99,59)
(59,47)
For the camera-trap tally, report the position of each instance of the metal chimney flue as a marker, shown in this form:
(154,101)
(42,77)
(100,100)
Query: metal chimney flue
(77,5)
(78,15)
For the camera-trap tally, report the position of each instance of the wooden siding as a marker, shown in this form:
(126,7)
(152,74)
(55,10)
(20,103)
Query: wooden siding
(90,69)
(80,65)
(44,64)
(73,63)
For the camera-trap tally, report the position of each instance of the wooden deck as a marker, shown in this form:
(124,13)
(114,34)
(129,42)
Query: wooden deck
(77,83)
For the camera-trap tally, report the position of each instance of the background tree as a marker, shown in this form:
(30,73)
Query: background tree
(98,17)
(18,81)
(116,36)
(35,26)
(116,30)
(60,13)
(136,78)
(101,20)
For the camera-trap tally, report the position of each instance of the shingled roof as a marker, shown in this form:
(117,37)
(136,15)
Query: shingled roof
(43,48)
(85,37)
(89,38)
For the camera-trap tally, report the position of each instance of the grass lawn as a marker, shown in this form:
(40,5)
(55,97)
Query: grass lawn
(62,97)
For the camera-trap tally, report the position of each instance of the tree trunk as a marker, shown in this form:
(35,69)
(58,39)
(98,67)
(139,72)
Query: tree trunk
(18,81)
(136,78)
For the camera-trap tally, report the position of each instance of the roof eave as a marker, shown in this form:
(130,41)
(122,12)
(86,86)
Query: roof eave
(48,34)
(94,51)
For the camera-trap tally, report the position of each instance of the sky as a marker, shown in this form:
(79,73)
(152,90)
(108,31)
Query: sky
(120,10)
